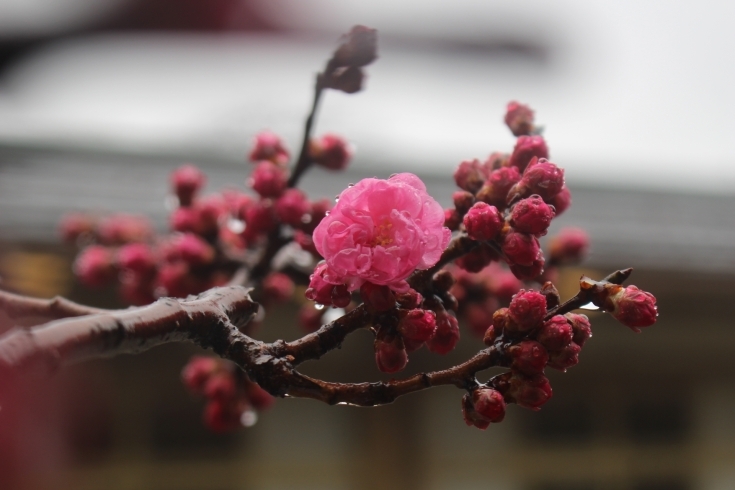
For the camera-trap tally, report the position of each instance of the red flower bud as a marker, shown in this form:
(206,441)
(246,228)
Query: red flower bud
(331,152)
(198,371)
(124,228)
(483,222)
(529,391)
(268,179)
(528,357)
(348,80)
(221,386)
(502,321)
(418,325)
(95,266)
(278,287)
(565,358)
(520,248)
(562,201)
(581,328)
(529,272)
(541,177)
(326,293)
(410,299)
(191,249)
(556,333)
(491,334)
(519,118)
(260,218)
(447,334)
(477,259)
(632,307)
(258,397)
(469,175)
(76,225)
(463,201)
(569,245)
(528,147)
(504,284)
(310,318)
(390,354)
(377,298)
(269,146)
(136,257)
(531,215)
(498,184)
(483,407)
(527,309)
(291,207)
(220,416)
(452,219)
(186,181)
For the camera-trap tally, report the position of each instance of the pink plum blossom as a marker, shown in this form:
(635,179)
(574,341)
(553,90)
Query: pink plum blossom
(380,231)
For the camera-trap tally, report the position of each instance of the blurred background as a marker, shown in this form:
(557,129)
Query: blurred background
(101,99)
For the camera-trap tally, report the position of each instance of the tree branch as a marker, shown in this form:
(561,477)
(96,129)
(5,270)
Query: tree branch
(210,320)
(18,307)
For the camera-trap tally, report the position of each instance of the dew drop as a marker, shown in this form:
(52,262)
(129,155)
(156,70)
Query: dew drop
(248,418)
(350,185)
(326,214)
(236,226)
(589,306)
(306,219)
(319,306)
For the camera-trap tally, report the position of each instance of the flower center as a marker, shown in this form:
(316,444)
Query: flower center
(382,235)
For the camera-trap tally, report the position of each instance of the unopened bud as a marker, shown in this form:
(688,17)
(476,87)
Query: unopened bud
(469,176)
(331,151)
(580,326)
(568,246)
(527,148)
(268,179)
(527,309)
(377,298)
(565,358)
(446,335)
(528,357)
(498,184)
(418,325)
(529,391)
(186,181)
(520,248)
(531,215)
(519,118)
(483,407)
(483,222)
(269,146)
(631,306)
(390,354)
(556,333)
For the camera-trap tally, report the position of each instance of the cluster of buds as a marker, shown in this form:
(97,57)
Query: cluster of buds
(508,201)
(232,398)
(206,231)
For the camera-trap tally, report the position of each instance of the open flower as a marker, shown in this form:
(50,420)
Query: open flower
(380,231)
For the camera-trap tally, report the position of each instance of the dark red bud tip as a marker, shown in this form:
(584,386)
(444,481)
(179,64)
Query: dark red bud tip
(519,118)
(197,371)
(581,327)
(532,215)
(390,355)
(565,358)
(483,407)
(527,309)
(527,148)
(220,416)
(377,298)
(331,152)
(528,357)
(268,179)
(529,391)
(186,181)
(418,325)
(632,307)
(483,222)
(556,333)
(447,334)
(269,146)
(469,175)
